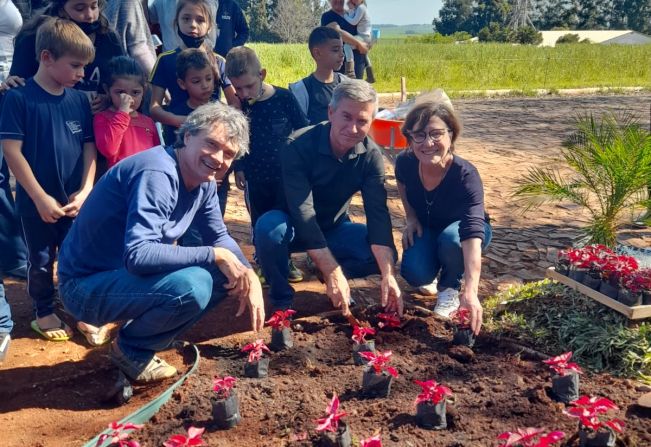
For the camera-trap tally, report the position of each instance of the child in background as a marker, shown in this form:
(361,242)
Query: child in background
(358,16)
(195,76)
(193,21)
(314,92)
(46,134)
(273,115)
(121,130)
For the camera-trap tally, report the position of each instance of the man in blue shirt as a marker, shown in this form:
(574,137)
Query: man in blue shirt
(119,261)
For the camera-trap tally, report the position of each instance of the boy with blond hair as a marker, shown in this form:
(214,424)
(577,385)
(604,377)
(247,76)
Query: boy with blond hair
(47,135)
(273,114)
(314,92)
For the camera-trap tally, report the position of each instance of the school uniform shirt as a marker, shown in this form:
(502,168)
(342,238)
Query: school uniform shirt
(459,196)
(107,46)
(53,130)
(119,135)
(180,109)
(164,76)
(136,212)
(271,122)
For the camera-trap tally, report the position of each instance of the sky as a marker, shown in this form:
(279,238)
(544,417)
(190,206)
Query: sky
(403,12)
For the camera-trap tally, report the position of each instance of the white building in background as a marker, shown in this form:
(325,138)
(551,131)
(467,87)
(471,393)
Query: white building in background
(623,37)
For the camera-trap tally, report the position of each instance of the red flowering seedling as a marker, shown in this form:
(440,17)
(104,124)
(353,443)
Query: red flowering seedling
(333,430)
(589,411)
(376,381)
(361,344)
(565,384)
(223,387)
(256,366)
(193,438)
(463,335)
(529,437)
(281,335)
(373,441)
(255,350)
(118,437)
(388,320)
(430,405)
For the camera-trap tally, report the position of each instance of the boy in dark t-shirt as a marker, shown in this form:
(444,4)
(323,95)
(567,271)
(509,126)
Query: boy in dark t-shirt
(314,92)
(47,135)
(273,114)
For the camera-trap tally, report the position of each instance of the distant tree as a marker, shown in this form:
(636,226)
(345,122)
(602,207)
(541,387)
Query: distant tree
(486,12)
(494,32)
(294,20)
(631,14)
(592,14)
(526,35)
(568,38)
(258,13)
(455,15)
(554,14)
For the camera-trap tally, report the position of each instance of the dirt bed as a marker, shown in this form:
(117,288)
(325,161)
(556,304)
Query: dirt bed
(494,391)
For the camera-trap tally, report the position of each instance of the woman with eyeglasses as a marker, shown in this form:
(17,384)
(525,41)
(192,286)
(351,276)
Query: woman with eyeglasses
(443,197)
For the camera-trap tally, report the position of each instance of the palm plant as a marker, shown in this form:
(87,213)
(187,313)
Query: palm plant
(611,162)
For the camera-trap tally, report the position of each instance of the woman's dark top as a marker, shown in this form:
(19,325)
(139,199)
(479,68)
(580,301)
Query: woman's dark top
(459,197)
(107,46)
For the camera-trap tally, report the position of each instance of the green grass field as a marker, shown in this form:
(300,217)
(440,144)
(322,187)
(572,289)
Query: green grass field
(480,66)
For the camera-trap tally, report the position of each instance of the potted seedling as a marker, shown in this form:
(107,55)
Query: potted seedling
(256,367)
(281,335)
(361,344)
(430,405)
(376,381)
(579,261)
(598,257)
(643,280)
(388,320)
(614,271)
(334,432)
(630,292)
(373,441)
(529,437)
(593,431)
(463,335)
(225,404)
(118,437)
(565,381)
(193,439)
(562,265)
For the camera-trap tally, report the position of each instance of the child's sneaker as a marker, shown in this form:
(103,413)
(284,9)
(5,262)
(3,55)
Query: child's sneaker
(447,302)
(295,274)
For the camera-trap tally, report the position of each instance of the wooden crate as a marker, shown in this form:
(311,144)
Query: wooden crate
(632,313)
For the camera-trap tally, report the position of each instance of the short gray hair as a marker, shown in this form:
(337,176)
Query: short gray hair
(207,115)
(356,90)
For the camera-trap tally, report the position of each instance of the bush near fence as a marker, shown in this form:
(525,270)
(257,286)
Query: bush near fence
(480,66)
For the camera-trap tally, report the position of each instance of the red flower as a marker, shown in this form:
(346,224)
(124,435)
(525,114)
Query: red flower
(389,320)
(461,317)
(223,386)
(527,437)
(378,361)
(118,437)
(359,334)
(373,441)
(589,409)
(561,366)
(281,319)
(193,438)
(432,392)
(255,349)
(331,421)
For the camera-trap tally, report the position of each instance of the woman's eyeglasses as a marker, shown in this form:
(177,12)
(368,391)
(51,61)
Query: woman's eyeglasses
(435,135)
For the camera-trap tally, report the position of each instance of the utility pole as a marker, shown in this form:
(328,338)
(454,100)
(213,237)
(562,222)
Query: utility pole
(520,15)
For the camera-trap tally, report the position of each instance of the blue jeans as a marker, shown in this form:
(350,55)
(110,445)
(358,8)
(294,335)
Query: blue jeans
(13,252)
(437,251)
(6,324)
(157,307)
(274,241)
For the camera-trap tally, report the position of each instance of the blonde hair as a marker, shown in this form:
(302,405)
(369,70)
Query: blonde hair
(240,61)
(63,37)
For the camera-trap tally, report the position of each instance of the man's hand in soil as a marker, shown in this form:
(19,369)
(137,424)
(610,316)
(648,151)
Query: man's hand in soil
(338,290)
(254,302)
(391,295)
(470,301)
(237,274)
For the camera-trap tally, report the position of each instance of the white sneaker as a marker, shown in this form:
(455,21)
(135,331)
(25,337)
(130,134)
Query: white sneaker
(430,289)
(447,302)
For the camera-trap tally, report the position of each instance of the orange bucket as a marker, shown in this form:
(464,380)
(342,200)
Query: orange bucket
(381,133)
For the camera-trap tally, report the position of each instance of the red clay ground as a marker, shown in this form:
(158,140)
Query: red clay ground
(52,393)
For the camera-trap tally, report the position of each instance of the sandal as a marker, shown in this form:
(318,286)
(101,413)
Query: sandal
(46,333)
(95,337)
